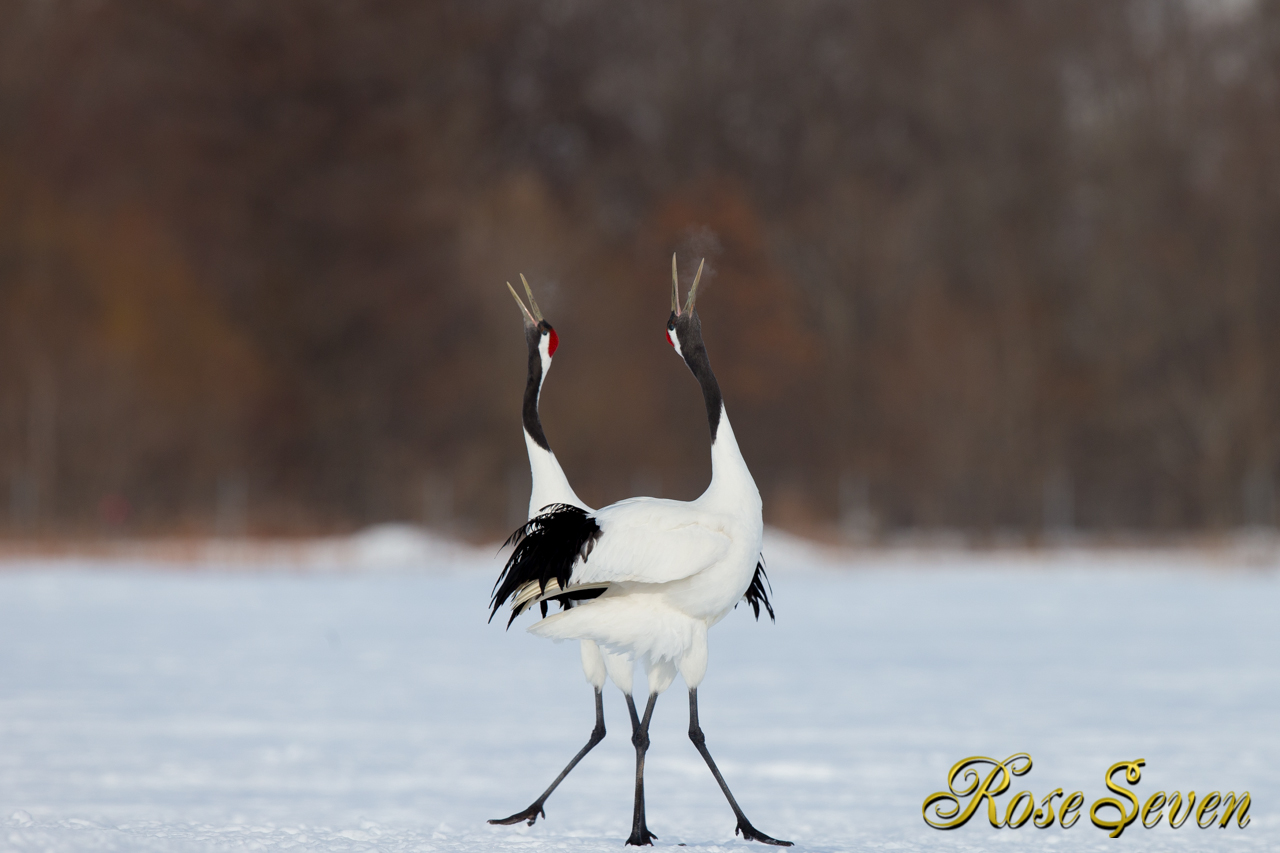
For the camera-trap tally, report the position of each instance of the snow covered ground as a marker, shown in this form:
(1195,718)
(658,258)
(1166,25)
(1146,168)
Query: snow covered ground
(154,707)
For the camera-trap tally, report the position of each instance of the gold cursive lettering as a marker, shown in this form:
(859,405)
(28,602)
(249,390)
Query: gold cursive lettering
(1175,802)
(1155,803)
(1044,814)
(1132,774)
(1210,801)
(1070,807)
(968,787)
(1017,823)
(1229,804)
(946,804)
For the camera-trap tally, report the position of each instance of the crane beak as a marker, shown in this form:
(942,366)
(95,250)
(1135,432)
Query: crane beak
(528,318)
(675,288)
(533,306)
(693,291)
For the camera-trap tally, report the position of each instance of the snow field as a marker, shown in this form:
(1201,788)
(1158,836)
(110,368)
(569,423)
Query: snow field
(155,708)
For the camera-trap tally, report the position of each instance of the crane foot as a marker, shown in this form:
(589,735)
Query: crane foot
(641,836)
(529,815)
(750,833)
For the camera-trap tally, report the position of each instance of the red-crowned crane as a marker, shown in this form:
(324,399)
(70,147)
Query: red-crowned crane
(550,488)
(661,571)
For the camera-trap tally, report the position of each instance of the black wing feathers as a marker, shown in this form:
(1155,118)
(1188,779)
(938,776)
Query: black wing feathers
(550,543)
(545,548)
(757,593)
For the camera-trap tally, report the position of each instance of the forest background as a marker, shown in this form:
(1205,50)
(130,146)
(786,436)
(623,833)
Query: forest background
(997,266)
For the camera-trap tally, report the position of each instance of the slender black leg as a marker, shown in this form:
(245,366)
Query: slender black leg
(640,834)
(597,734)
(748,831)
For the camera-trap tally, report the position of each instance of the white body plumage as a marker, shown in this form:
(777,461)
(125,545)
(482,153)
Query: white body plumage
(672,569)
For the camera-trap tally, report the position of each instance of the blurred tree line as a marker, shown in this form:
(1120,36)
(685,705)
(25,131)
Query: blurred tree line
(989,264)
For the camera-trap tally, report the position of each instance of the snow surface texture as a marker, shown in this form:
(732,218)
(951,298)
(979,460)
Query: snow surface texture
(176,709)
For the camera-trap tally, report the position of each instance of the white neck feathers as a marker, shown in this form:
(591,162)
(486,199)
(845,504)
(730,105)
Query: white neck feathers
(550,485)
(731,480)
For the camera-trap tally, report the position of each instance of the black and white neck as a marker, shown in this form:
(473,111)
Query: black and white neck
(550,486)
(542,341)
(731,480)
(684,333)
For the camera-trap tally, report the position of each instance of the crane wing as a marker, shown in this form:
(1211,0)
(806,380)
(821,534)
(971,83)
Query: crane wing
(567,552)
(650,540)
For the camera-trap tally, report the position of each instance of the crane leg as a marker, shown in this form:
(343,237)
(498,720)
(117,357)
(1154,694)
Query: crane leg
(749,832)
(530,814)
(640,834)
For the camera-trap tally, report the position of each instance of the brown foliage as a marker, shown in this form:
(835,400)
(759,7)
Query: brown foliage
(985,264)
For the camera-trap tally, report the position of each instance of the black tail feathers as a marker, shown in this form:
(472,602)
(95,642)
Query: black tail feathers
(546,548)
(757,593)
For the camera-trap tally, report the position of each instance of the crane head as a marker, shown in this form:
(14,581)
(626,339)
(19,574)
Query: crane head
(537,331)
(684,330)
(684,333)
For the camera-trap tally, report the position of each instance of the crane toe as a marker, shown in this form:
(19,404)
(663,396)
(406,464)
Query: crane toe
(750,833)
(529,815)
(642,837)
